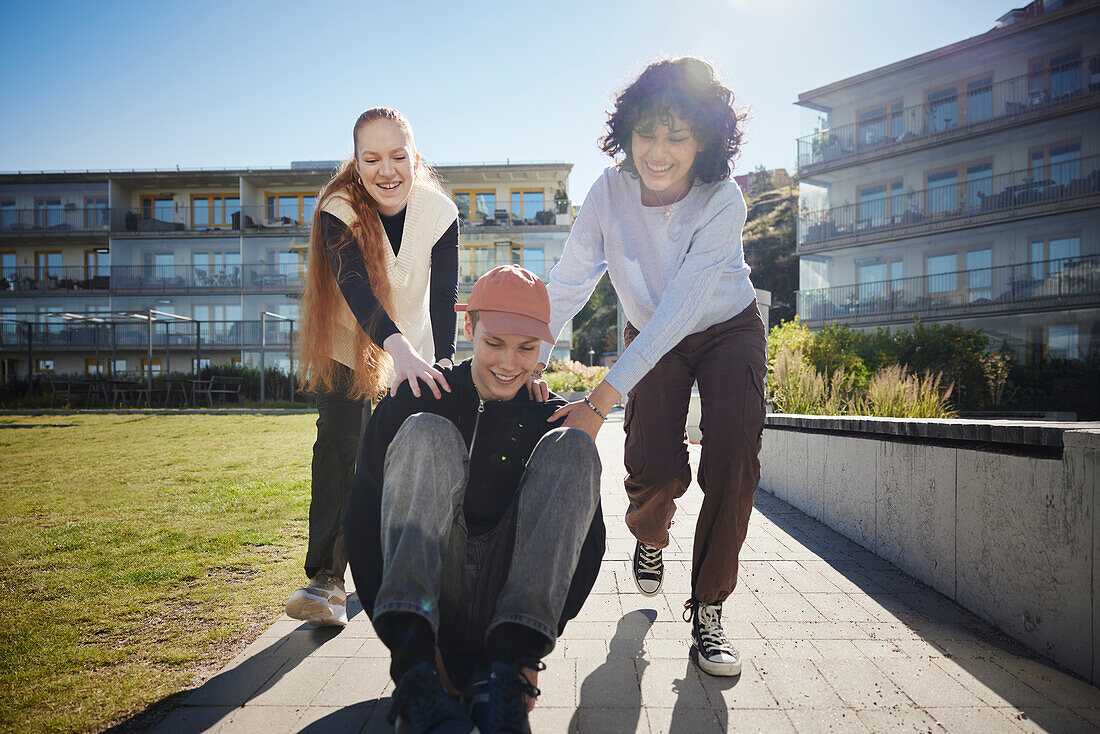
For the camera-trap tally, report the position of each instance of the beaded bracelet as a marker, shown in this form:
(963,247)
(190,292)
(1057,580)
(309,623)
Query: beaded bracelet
(593,407)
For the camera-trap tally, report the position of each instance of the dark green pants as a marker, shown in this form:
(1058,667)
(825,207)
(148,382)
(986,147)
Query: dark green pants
(340,424)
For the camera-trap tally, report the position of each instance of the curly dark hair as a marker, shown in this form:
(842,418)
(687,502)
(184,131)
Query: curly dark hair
(687,87)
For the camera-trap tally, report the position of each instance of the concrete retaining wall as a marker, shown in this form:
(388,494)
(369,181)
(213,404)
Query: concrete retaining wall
(1000,516)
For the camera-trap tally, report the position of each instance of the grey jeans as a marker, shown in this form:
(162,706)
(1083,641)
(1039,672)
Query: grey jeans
(519,571)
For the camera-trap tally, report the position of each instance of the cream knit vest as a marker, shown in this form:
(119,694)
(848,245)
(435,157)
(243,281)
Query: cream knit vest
(427,216)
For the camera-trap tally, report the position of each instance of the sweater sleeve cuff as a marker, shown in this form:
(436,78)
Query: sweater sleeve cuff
(626,373)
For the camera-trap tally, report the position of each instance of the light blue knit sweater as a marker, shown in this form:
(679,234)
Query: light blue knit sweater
(675,276)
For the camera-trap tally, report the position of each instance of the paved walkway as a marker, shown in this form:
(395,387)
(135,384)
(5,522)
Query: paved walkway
(834,639)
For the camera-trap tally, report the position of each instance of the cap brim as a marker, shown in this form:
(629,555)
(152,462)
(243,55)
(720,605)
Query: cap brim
(501,322)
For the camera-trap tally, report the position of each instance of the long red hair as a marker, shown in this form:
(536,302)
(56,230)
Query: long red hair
(322,298)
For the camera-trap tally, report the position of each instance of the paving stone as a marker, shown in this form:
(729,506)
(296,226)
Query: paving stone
(547,719)
(804,580)
(1061,720)
(791,608)
(268,719)
(899,721)
(838,650)
(993,684)
(797,684)
(357,680)
(839,607)
(672,683)
(296,683)
(927,683)
(799,649)
(189,719)
(334,719)
(1055,685)
(746,691)
(861,684)
(559,684)
(680,721)
(972,720)
(820,721)
(593,720)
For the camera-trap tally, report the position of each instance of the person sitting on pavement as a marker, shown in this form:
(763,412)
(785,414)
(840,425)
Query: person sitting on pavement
(474,528)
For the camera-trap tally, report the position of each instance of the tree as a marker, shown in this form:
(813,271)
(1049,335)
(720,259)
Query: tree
(595,325)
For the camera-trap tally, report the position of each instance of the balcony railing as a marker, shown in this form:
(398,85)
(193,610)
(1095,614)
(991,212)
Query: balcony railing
(973,109)
(257,277)
(985,290)
(1054,186)
(119,336)
(55,221)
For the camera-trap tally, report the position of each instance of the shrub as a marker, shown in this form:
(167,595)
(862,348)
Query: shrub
(796,386)
(895,393)
(565,375)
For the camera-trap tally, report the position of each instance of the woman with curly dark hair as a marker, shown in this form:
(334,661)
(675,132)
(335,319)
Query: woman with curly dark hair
(665,223)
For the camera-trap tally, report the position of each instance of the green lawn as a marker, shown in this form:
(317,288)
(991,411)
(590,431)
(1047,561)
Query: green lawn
(138,553)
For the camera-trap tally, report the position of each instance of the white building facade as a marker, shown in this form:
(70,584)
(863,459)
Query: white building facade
(87,259)
(963,185)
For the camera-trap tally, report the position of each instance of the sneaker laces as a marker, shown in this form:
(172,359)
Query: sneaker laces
(649,559)
(509,693)
(707,624)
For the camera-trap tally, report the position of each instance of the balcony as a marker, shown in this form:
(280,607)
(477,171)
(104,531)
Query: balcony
(160,279)
(116,335)
(169,220)
(54,222)
(1054,188)
(1056,91)
(1037,286)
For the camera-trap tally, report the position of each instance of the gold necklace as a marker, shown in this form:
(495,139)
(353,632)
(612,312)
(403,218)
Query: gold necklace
(668,206)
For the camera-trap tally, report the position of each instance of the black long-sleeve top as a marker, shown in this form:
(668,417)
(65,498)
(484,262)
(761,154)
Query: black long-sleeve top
(355,283)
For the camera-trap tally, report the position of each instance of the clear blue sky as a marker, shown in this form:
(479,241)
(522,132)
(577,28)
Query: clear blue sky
(124,85)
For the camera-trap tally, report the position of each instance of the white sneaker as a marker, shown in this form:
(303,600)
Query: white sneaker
(323,602)
(715,654)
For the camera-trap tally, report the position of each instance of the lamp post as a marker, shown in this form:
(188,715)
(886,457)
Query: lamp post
(591,356)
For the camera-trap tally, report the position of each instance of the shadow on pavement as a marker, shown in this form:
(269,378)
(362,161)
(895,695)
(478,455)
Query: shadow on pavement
(199,709)
(1009,673)
(619,676)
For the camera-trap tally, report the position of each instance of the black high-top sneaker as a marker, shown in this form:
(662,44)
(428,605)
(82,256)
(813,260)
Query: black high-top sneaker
(715,654)
(649,569)
(497,700)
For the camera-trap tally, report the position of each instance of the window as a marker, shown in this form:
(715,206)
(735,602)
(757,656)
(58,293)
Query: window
(978,274)
(97,262)
(96,213)
(1065,163)
(296,207)
(1054,77)
(979,184)
(534,260)
(161,265)
(943,192)
(942,273)
(211,211)
(47,264)
(47,212)
(872,280)
(222,320)
(526,203)
(198,364)
(979,99)
(157,365)
(943,109)
(880,203)
(1048,256)
(93,366)
(476,206)
(8,268)
(116,366)
(287,263)
(45,365)
(1062,341)
(160,208)
(7,214)
(879,124)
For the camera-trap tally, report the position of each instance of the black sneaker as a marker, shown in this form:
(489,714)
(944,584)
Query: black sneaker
(649,569)
(497,700)
(421,705)
(715,654)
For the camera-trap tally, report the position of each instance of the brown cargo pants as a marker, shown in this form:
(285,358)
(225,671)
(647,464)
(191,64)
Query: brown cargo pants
(728,361)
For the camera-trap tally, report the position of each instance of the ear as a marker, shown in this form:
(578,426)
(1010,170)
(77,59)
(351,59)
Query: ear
(468,330)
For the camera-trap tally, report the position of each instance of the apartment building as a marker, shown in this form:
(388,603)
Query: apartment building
(963,185)
(126,271)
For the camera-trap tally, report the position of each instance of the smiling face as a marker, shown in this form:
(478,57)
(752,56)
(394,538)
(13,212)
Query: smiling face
(663,152)
(386,160)
(502,363)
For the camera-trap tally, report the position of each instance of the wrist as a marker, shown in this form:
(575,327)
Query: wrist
(595,410)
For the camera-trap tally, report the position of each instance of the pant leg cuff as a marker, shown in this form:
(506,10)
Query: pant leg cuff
(550,633)
(408,608)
